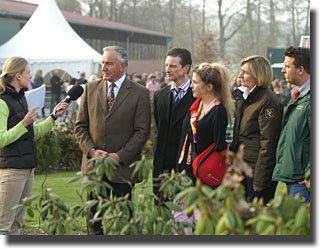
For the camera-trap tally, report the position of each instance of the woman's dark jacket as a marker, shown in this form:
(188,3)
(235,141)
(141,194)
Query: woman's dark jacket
(257,125)
(210,129)
(37,82)
(22,153)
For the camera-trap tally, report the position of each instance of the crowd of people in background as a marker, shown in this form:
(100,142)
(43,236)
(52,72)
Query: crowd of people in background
(59,88)
(280,87)
(152,81)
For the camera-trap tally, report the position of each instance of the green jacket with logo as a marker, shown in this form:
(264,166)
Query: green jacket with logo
(293,151)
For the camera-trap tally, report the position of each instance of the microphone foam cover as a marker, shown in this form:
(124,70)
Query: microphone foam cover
(75,92)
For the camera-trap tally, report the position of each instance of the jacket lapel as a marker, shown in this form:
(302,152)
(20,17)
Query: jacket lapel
(166,102)
(306,91)
(122,94)
(184,105)
(102,93)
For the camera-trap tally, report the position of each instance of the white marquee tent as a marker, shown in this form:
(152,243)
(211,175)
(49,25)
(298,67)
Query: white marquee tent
(48,42)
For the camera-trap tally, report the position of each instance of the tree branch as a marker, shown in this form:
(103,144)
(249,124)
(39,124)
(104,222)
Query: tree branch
(231,17)
(234,31)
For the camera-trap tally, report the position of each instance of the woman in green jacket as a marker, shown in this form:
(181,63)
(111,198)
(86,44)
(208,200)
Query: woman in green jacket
(18,155)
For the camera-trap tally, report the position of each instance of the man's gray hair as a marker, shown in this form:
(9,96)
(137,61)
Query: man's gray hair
(123,57)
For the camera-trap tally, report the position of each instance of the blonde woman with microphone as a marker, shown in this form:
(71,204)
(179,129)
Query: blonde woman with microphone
(18,155)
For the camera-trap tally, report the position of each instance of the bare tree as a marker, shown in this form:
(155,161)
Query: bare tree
(258,26)
(172,4)
(121,11)
(191,27)
(206,49)
(203,16)
(224,21)
(293,25)
(134,11)
(272,21)
(112,8)
(241,27)
(70,5)
(250,23)
(162,17)
(307,26)
(91,4)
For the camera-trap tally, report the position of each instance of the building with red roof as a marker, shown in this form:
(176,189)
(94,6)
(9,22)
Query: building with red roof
(146,48)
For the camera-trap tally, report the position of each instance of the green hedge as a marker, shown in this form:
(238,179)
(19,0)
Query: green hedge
(59,149)
(222,211)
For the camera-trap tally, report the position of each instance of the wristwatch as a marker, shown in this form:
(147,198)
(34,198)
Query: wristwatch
(53,116)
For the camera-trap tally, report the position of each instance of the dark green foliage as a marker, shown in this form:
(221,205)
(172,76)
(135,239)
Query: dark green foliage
(223,211)
(59,150)
(71,153)
(49,152)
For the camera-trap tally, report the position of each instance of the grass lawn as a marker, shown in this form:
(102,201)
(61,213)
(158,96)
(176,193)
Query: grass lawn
(58,182)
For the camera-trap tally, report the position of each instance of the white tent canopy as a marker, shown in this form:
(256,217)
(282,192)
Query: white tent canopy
(278,65)
(48,42)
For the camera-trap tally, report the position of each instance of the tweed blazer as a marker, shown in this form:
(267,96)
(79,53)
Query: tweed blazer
(124,130)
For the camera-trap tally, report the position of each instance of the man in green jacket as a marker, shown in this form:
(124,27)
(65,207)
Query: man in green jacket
(293,151)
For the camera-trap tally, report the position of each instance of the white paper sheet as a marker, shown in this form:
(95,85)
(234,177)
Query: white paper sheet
(36,97)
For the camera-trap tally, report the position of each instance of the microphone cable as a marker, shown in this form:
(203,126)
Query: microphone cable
(46,171)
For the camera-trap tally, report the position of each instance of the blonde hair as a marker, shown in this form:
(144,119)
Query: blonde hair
(38,73)
(151,76)
(92,78)
(11,67)
(260,68)
(219,76)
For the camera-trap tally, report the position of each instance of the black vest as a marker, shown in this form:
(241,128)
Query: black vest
(21,153)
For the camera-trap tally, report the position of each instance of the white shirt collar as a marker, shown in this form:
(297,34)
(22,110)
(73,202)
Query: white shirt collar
(183,86)
(245,91)
(304,86)
(119,82)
